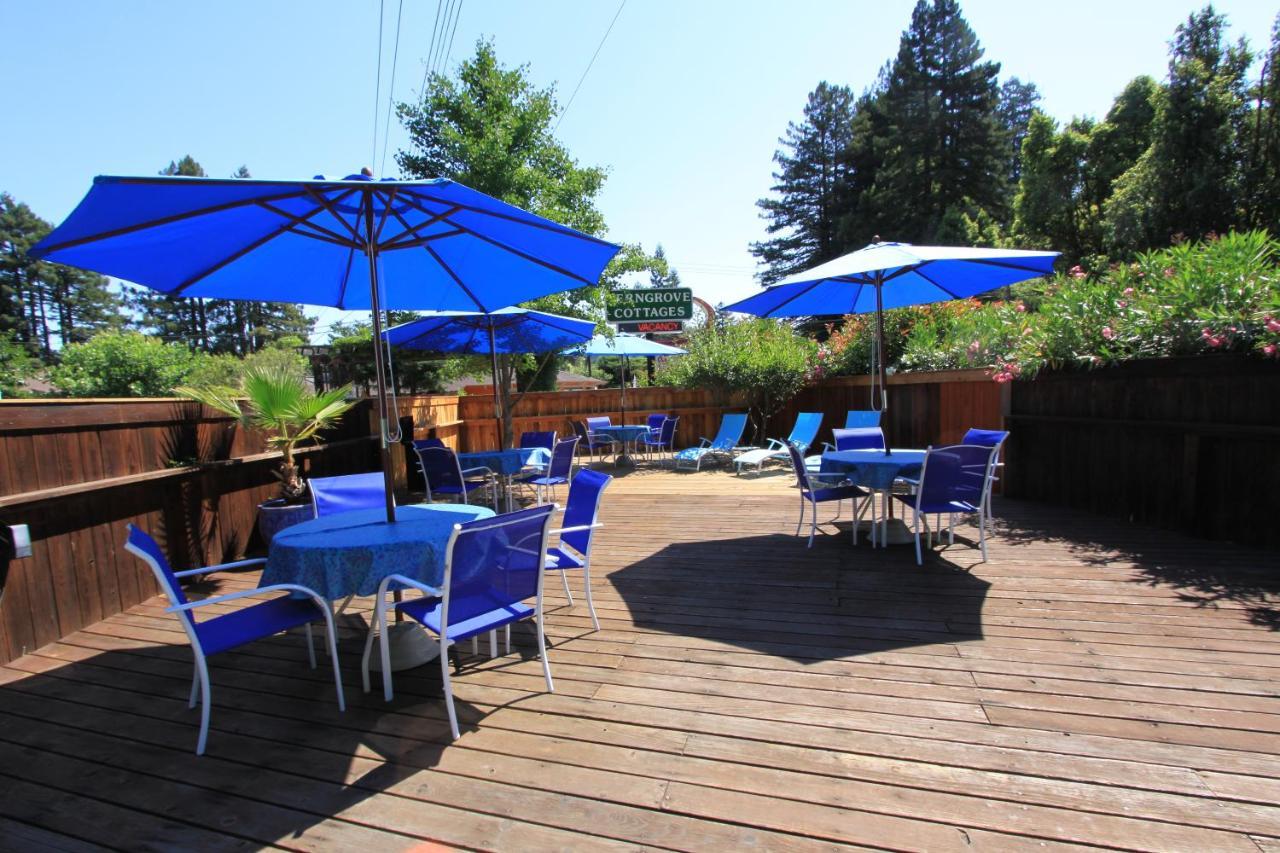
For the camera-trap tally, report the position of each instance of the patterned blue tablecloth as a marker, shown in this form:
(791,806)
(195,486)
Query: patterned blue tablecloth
(505,462)
(351,552)
(873,469)
(623,433)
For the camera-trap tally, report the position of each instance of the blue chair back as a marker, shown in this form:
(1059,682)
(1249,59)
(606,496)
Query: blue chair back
(579,429)
(985,437)
(594,424)
(731,429)
(857,418)
(148,550)
(582,507)
(805,432)
(440,467)
(420,443)
(538,439)
(655,422)
(955,473)
(330,495)
(863,438)
(562,458)
(667,435)
(797,462)
(495,562)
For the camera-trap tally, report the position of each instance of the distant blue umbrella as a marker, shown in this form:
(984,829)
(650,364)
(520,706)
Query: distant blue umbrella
(507,330)
(353,243)
(894,275)
(625,346)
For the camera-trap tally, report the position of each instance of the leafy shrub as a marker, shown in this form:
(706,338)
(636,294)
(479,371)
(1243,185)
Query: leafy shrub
(123,364)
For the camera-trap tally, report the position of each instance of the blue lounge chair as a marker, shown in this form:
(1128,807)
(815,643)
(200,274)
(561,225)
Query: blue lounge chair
(803,434)
(220,633)
(665,440)
(581,514)
(446,477)
(856,418)
(812,495)
(558,472)
(491,568)
(731,429)
(954,481)
(348,493)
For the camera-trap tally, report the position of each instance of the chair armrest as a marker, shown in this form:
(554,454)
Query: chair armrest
(488,472)
(826,445)
(245,593)
(776,444)
(409,582)
(239,564)
(577,528)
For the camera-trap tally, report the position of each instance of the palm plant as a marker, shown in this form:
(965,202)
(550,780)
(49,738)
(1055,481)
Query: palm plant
(276,400)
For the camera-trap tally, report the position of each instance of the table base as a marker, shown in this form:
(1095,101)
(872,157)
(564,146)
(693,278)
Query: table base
(895,532)
(410,646)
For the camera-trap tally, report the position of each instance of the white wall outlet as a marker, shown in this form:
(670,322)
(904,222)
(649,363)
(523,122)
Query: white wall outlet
(21,540)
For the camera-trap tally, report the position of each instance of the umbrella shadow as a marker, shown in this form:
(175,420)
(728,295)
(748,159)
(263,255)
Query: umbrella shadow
(1210,575)
(770,594)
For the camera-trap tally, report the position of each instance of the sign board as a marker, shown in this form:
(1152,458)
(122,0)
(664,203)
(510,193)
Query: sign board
(658,303)
(653,327)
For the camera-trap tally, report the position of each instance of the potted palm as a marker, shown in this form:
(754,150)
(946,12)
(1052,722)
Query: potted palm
(276,400)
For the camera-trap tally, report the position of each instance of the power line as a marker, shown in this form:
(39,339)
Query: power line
(589,64)
(391,92)
(377,88)
(426,66)
(449,8)
(448,54)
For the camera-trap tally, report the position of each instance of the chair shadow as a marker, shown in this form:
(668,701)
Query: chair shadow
(771,594)
(1203,573)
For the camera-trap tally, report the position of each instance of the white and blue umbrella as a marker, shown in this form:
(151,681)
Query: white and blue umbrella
(894,275)
(625,346)
(352,243)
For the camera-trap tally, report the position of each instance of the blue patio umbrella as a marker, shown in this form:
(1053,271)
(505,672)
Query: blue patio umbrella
(625,346)
(894,275)
(507,330)
(352,243)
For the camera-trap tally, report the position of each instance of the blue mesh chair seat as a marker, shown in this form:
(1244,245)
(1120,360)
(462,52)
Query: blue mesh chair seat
(544,439)
(220,633)
(493,567)
(803,434)
(558,471)
(581,519)
(445,476)
(811,496)
(731,428)
(953,481)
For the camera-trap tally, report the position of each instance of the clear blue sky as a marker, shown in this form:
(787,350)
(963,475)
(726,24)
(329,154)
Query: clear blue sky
(684,104)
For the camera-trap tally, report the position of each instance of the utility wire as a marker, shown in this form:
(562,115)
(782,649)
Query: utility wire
(439,51)
(391,92)
(448,53)
(589,64)
(377,89)
(426,66)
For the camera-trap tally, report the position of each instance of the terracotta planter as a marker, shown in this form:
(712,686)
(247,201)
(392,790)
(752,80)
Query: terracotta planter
(276,515)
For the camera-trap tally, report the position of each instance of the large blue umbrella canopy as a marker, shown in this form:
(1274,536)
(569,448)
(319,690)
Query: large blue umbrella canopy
(353,243)
(625,346)
(507,330)
(894,275)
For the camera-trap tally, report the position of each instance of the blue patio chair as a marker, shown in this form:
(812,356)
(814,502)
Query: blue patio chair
(856,418)
(491,568)
(581,514)
(546,440)
(655,422)
(812,495)
(731,428)
(953,481)
(989,438)
(857,438)
(229,631)
(803,434)
(592,441)
(446,477)
(348,493)
(558,471)
(665,440)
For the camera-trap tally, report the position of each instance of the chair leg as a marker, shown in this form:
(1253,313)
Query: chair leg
(801,521)
(195,685)
(565,581)
(493,644)
(542,653)
(384,649)
(951,530)
(586,588)
(813,522)
(919,555)
(475,646)
(982,534)
(506,629)
(203,669)
(448,688)
(368,651)
(331,635)
(311,647)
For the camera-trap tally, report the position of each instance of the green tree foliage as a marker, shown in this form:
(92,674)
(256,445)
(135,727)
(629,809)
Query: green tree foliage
(661,273)
(123,364)
(1017,105)
(16,365)
(412,371)
(763,361)
(1262,142)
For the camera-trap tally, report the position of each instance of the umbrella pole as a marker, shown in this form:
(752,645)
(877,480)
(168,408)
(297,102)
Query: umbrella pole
(371,250)
(498,391)
(879,378)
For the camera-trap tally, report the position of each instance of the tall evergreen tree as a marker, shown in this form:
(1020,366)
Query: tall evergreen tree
(1017,104)
(811,187)
(661,273)
(1262,142)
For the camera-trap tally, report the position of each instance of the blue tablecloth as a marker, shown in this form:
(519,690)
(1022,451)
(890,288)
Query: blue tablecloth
(505,462)
(873,469)
(623,433)
(351,552)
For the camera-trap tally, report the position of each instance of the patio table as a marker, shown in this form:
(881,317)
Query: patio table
(506,463)
(876,470)
(628,435)
(349,553)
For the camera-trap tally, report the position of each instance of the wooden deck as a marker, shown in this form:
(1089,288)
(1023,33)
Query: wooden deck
(1094,684)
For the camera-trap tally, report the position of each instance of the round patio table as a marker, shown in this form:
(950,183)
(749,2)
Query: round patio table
(349,553)
(876,470)
(628,435)
(506,463)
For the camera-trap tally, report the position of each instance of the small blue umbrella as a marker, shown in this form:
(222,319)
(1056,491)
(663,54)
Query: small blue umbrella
(894,275)
(625,346)
(352,243)
(507,330)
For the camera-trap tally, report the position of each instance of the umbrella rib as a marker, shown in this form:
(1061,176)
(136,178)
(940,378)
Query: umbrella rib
(328,205)
(164,220)
(230,259)
(453,275)
(997,263)
(945,290)
(399,242)
(547,225)
(790,299)
(421,241)
(305,221)
(346,277)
